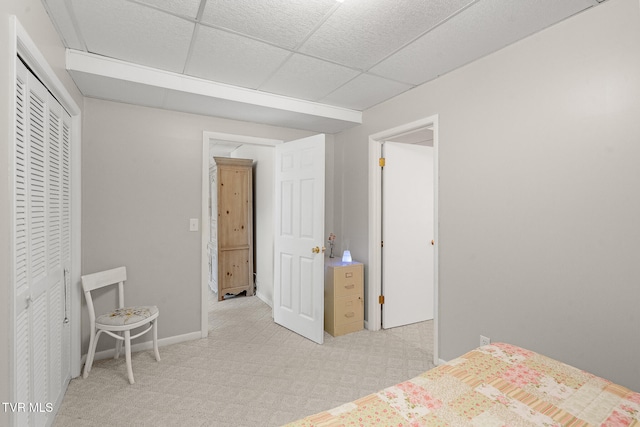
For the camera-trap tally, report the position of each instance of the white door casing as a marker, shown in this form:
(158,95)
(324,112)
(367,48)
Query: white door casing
(407,232)
(223,139)
(374,313)
(299,230)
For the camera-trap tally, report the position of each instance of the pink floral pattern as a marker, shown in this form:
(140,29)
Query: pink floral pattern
(418,396)
(409,400)
(634,397)
(521,375)
(514,350)
(617,419)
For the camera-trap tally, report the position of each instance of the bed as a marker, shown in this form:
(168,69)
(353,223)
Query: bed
(494,385)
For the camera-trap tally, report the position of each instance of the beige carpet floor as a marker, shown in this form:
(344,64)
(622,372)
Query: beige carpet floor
(248,372)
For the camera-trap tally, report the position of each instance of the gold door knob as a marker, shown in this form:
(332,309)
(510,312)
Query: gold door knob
(432,243)
(316,250)
(324,249)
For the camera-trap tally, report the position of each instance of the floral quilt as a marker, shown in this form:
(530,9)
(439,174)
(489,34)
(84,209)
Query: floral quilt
(494,385)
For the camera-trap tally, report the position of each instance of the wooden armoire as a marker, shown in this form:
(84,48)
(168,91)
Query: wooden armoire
(232,226)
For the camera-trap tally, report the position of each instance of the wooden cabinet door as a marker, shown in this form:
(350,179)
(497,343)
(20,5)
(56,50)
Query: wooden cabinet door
(234,219)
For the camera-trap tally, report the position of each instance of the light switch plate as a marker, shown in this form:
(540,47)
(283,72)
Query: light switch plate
(193,224)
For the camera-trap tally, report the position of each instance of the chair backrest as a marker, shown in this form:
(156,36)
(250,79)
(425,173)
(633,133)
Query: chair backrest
(101,279)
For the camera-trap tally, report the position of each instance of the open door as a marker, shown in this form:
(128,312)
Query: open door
(407,232)
(298,294)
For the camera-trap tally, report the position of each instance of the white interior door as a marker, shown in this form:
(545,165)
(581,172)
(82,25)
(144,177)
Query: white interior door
(407,232)
(298,292)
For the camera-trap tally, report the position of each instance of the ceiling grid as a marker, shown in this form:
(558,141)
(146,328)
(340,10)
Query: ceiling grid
(348,55)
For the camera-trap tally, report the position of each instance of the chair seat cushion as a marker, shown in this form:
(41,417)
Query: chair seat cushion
(127,315)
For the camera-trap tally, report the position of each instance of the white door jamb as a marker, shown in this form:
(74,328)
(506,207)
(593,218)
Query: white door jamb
(206,221)
(374,314)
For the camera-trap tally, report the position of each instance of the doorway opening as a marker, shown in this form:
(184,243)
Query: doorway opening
(409,132)
(261,151)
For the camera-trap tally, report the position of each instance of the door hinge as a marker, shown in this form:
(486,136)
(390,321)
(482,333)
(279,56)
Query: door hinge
(381,299)
(382,243)
(381,161)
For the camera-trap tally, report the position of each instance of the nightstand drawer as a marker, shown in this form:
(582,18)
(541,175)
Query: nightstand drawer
(348,281)
(349,309)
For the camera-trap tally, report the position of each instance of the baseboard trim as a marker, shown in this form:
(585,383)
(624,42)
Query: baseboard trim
(147,345)
(441,362)
(56,407)
(264,299)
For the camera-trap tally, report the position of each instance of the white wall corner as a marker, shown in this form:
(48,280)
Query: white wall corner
(264,298)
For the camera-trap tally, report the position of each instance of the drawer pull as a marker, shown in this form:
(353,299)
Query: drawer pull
(348,275)
(350,314)
(351,286)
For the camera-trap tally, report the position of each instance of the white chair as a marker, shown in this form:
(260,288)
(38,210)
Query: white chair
(120,322)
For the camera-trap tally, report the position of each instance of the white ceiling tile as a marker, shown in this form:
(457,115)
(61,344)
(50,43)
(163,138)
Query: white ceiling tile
(368,35)
(188,8)
(485,27)
(134,33)
(282,22)
(363,32)
(365,91)
(229,58)
(63,22)
(308,78)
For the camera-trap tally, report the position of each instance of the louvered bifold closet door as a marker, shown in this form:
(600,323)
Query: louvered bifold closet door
(22,351)
(65,246)
(41,248)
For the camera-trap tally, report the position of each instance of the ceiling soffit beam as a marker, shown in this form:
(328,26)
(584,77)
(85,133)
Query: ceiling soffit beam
(108,67)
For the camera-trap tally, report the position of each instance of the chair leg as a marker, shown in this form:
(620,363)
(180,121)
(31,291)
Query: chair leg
(118,348)
(90,353)
(155,340)
(127,354)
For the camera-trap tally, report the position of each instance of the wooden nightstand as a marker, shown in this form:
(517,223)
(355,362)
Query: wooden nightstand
(343,296)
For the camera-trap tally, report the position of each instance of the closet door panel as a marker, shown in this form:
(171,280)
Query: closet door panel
(40,352)
(37,95)
(55,320)
(23,365)
(22,352)
(41,248)
(20,192)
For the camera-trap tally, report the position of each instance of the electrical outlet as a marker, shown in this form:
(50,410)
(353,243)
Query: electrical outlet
(484,340)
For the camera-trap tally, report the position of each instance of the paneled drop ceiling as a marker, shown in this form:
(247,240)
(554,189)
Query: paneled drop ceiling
(307,64)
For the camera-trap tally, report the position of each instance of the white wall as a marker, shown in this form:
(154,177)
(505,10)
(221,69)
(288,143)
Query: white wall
(141,183)
(35,20)
(538,206)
